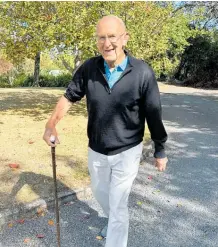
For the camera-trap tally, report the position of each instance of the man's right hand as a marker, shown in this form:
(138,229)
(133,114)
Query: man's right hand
(49,134)
(61,108)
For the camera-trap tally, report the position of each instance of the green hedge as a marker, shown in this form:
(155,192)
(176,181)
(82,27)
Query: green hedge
(44,81)
(4,82)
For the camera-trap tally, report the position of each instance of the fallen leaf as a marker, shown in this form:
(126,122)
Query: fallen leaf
(13,165)
(30,142)
(179,205)
(41,211)
(21,221)
(150,177)
(99,237)
(139,203)
(26,240)
(10,225)
(51,222)
(40,236)
(155,191)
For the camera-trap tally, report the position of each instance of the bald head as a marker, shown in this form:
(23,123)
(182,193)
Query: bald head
(111,38)
(112,19)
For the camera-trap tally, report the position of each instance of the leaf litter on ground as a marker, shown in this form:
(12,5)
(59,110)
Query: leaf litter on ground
(21,221)
(99,237)
(10,224)
(139,203)
(40,235)
(51,222)
(14,165)
(26,240)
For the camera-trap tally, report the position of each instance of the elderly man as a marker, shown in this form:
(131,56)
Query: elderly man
(121,93)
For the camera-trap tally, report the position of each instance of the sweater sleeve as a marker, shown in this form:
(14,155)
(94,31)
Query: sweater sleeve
(76,89)
(153,114)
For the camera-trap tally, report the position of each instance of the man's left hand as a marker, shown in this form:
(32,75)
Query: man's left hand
(161,164)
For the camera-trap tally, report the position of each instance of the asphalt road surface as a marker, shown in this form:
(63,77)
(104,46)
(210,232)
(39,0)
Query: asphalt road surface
(178,208)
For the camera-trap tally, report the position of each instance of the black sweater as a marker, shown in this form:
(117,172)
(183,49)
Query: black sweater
(116,116)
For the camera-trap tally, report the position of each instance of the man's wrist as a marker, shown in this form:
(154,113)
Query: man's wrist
(50,125)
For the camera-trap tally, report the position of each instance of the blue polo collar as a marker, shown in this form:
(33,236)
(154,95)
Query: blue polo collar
(120,66)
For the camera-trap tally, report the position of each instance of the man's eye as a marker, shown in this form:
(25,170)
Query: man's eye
(112,36)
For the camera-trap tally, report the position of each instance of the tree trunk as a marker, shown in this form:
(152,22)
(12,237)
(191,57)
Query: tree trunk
(36,70)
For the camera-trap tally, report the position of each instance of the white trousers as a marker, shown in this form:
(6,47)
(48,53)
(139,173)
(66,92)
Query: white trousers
(111,180)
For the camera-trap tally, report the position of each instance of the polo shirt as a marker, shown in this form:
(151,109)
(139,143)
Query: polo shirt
(113,76)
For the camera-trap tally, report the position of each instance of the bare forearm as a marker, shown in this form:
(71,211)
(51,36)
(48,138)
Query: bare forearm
(60,110)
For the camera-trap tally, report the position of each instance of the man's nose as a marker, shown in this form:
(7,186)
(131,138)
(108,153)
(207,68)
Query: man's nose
(107,42)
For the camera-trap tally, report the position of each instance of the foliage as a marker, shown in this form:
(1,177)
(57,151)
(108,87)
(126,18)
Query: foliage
(45,80)
(49,81)
(159,33)
(47,63)
(207,11)
(30,27)
(161,37)
(26,28)
(19,80)
(45,25)
(4,83)
(199,62)
(5,66)
(26,67)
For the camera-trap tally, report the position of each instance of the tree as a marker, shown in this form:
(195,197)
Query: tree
(26,31)
(207,10)
(5,66)
(32,27)
(158,34)
(198,64)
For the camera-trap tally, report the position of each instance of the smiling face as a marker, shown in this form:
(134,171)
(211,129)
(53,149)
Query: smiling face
(111,38)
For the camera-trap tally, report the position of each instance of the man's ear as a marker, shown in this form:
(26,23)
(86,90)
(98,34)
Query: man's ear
(126,38)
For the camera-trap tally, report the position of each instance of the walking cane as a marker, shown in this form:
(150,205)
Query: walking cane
(55,192)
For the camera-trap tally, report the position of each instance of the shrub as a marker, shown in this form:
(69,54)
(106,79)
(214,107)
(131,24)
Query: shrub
(4,82)
(19,80)
(22,80)
(199,63)
(49,80)
(63,80)
(28,82)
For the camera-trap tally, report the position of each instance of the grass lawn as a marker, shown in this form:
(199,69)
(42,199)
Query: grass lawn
(24,112)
